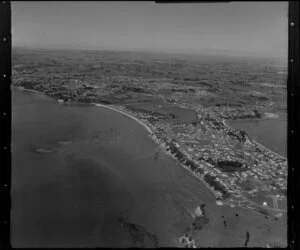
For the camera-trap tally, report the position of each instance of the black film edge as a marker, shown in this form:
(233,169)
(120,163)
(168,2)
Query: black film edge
(5,123)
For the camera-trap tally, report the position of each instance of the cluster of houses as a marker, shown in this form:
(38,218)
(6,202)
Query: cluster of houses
(219,155)
(222,157)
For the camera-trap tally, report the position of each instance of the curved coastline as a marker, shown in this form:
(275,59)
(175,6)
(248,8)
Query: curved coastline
(148,130)
(30,90)
(124,113)
(257,143)
(105,106)
(157,141)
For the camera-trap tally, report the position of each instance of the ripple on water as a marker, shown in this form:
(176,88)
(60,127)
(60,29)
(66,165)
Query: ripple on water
(49,150)
(65,142)
(44,150)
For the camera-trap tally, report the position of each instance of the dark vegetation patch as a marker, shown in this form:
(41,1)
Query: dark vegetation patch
(211,180)
(26,84)
(257,114)
(165,112)
(103,101)
(240,135)
(227,166)
(228,104)
(231,166)
(259,98)
(134,89)
(171,147)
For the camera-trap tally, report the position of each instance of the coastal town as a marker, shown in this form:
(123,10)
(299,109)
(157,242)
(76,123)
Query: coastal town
(187,118)
(149,125)
(236,168)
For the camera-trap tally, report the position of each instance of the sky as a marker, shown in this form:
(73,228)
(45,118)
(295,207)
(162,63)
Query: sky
(242,28)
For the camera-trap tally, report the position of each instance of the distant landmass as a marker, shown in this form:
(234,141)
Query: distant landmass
(190,54)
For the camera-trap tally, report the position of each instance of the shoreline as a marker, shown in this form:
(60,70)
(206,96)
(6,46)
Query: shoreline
(30,90)
(98,105)
(156,141)
(257,143)
(147,127)
(126,114)
(161,145)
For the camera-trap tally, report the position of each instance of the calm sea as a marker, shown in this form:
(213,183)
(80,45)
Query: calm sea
(77,169)
(270,132)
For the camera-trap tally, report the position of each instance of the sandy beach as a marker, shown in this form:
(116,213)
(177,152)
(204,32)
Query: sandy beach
(94,174)
(124,113)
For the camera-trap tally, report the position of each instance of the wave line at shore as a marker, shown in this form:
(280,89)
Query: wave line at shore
(258,144)
(124,113)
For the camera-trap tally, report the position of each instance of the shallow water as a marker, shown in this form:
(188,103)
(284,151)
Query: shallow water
(86,176)
(270,132)
(77,169)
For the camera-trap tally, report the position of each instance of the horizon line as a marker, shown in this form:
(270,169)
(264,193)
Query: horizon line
(205,51)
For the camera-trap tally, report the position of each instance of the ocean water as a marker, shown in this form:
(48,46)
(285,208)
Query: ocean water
(76,170)
(80,170)
(270,132)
